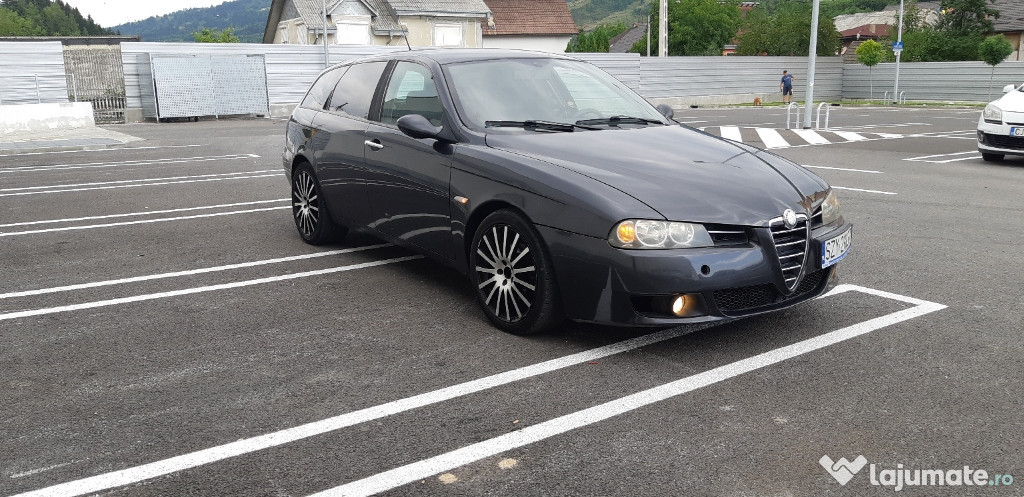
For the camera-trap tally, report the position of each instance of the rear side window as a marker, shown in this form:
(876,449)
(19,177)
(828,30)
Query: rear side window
(354,92)
(318,94)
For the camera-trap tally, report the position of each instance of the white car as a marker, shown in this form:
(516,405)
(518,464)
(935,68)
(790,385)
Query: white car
(1001,126)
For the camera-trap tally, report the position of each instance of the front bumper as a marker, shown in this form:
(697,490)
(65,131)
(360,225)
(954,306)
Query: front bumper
(996,139)
(603,284)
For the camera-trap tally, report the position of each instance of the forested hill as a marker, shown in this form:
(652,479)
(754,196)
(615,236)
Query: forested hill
(247,17)
(588,14)
(45,18)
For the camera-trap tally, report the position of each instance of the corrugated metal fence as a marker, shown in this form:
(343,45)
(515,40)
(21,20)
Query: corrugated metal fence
(290,68)
(949,81)
(33,72)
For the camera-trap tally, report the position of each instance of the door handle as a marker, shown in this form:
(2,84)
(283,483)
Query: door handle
(374,144)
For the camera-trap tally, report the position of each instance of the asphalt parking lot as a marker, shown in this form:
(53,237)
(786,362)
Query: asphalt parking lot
(164,331)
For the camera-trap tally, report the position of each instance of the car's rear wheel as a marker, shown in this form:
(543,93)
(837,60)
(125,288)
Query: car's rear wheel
(309,209)
(513,276)
(991,157)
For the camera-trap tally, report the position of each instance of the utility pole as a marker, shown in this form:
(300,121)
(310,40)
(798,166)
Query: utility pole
(663,29)
(809,103)
(327,53)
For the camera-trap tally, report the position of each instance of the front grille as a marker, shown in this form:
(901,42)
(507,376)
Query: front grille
(751,298)
(725,235)
(816,219)
(1007,142)
(791,246)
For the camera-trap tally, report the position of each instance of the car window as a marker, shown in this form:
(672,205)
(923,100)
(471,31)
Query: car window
(318,94)
(354,92)
(411,91)
(590,95)
(540,89)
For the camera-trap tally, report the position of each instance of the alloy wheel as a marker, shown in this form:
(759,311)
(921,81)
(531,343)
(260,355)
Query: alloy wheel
(306,204)
(507,273)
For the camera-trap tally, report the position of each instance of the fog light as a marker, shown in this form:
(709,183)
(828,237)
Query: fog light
(679,305)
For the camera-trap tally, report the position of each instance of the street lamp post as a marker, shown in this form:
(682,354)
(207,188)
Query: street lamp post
(899,40)
(663,29)
(813,54)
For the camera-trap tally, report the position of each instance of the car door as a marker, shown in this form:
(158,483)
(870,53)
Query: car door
(340,158)
(409,178)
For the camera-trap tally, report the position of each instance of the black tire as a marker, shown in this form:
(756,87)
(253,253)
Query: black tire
(309,209)
(991,157)
(513,276)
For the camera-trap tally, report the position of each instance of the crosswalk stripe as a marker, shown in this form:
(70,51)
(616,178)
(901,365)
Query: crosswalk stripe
(850,136)
(811,136)
(771,138)
(731,133)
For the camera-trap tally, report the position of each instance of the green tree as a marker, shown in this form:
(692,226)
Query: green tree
(12,24)
(786,30)
(870,53)
(57,22)
(695,27)
(994,50)
(967,16)
(596,40)
(931,45)
(207,35)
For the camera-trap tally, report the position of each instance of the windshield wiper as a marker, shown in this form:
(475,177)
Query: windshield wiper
(532,125)
(616,120)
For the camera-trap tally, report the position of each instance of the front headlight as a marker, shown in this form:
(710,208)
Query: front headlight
(830,208)
(992,114)
(651,234)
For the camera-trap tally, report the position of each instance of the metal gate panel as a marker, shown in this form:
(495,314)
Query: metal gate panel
(240,84)
(183,86)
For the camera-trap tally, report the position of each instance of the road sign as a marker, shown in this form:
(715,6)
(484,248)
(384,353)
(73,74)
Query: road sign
(897,46)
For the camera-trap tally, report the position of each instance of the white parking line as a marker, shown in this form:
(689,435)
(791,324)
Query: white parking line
(142,162)
(108,150)
(190,291)
(428,467)
(141,221)
(844,169)
(141,213)
(183,462)
(134,183)
(862,190)
(941,158)
(771,138)
(190,272)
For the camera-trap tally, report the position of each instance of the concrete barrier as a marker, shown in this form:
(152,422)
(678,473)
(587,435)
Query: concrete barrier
(42,117)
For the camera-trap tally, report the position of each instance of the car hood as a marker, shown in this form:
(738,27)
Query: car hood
(684,174)
(1011,102)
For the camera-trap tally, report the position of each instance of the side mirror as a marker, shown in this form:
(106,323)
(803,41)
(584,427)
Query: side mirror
(1009,88)
(665,110)
(418,127)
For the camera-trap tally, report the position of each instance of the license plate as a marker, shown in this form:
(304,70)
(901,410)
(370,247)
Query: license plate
(833,250)
(1016,131)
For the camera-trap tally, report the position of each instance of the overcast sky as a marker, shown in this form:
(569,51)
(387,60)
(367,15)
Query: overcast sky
(109,13)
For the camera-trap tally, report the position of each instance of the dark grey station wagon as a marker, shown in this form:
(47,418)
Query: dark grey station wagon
(558,191)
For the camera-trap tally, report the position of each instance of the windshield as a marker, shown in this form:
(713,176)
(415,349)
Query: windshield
(543,90)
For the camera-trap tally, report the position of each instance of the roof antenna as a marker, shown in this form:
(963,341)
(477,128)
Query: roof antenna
(405,34)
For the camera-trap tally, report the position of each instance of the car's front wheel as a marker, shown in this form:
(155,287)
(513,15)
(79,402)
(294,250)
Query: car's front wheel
(513,276)
(309,209)
(991,157)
